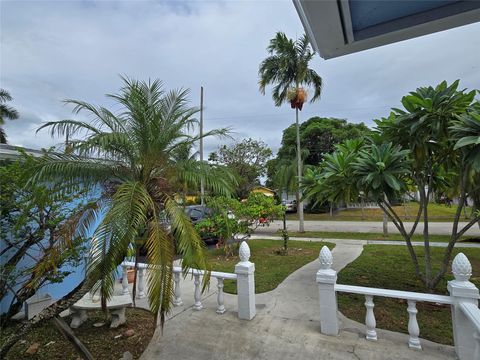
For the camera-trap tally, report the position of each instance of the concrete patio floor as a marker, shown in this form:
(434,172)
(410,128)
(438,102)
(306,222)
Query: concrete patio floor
(286,326)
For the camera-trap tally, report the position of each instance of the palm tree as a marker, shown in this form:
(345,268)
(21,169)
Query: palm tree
(135,152)
(6,112)
(286,68)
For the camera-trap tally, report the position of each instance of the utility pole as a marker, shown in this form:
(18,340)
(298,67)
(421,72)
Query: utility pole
(202,185)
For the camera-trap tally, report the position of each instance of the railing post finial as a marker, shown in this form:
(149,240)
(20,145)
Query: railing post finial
(461,268)
(326,258)
(244,252)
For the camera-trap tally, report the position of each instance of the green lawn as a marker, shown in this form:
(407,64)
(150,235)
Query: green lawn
(390,267)
(271,268)
(373,236)
(436,212)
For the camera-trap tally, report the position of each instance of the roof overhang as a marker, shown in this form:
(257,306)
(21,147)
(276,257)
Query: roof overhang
(340,27)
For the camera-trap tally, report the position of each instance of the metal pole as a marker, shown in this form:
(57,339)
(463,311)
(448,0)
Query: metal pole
(202,185)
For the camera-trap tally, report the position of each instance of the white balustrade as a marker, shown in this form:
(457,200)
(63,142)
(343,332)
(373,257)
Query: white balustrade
(141,283)
(197,295)
(220,301)
(413,328)
(177,300)
(244,276)
(370,319)
(124,279)
(463,299)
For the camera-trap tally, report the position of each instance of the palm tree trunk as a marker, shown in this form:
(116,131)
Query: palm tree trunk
(301,227)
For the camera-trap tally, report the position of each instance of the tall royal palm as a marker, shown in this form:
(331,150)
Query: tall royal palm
(132,154)
(287,69)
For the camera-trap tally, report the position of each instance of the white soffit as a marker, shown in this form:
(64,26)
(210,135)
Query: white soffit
(334,27)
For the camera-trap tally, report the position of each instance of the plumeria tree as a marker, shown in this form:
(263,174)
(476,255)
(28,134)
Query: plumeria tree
(437,146)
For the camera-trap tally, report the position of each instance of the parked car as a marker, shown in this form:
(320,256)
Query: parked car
(290,205)
(197,213)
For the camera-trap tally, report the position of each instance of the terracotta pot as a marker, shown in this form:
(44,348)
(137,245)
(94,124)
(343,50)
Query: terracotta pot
(131,275)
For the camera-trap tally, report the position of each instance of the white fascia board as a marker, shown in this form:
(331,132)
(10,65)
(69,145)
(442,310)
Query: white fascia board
(323,24)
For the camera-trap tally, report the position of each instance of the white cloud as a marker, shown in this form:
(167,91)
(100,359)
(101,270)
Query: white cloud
(76,49)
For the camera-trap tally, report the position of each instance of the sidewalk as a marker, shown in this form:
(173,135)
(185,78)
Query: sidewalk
(435,228)
(366,242)
(286,327)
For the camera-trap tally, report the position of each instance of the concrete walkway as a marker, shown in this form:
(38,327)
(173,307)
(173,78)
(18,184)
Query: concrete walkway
(286,327)
(435,228)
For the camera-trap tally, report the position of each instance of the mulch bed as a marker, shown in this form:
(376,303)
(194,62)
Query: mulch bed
(102,342)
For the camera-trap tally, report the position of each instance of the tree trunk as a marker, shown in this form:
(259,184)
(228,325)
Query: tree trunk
(426,237)
(301,226)
(362,204)
(47,314)
(68,333)
(385,219)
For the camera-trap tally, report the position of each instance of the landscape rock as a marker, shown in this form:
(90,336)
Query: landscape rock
(129,333)
(127,355)
(98,324)
(32,349)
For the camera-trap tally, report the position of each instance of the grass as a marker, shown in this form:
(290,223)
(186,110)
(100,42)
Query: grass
(271,268)
(436,212)
(100,341)
(390,267)
(374,236)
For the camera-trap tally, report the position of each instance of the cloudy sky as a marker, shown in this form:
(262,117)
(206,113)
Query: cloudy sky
(53,50)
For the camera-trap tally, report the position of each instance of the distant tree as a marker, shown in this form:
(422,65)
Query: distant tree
(319,137)
(6,112)
(247,160)
(287,70)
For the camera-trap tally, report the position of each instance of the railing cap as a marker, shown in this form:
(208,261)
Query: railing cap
(461,268)
(326,258)
(244,252)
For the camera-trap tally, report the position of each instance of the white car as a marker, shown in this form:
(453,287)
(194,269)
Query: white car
(290,205)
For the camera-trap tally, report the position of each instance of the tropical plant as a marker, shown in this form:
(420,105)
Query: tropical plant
(436,149)
(129,154)
(6,112)
(33,221)
(425,128)
(233,219)
(333,180)
(287,69)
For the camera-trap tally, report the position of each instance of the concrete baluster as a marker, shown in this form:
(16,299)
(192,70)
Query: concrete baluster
(124,279)
(413,328)
(245,271)
(220,301)
(476,336)
(463,291)
(370,319)
(197,296)
(141,283)
(177,301)
(326,280)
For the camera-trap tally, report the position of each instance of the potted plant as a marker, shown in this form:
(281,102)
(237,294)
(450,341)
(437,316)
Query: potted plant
(131,269)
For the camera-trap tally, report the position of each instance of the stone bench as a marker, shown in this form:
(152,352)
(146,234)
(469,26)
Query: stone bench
(117,305)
